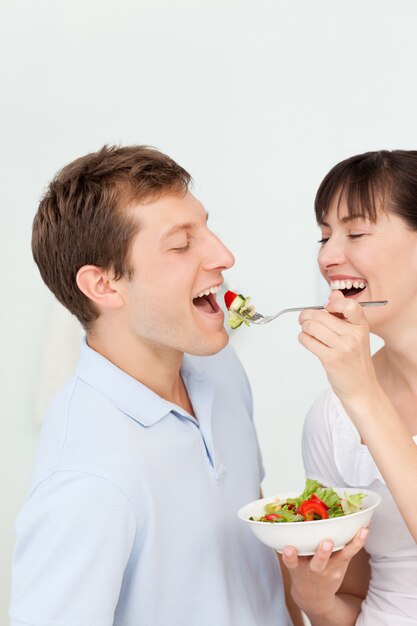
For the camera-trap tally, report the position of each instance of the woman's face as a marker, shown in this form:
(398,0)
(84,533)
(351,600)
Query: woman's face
(370,261)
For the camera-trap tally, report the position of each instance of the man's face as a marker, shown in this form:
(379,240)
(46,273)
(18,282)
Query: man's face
(175,258)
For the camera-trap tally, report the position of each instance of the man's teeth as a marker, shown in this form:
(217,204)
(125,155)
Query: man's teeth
(346,284)
(207,291)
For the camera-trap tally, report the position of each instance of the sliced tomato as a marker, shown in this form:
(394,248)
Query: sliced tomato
(312,510)
(229,296)
(315,498)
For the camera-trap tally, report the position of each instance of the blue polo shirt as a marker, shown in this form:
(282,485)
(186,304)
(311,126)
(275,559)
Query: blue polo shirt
(131,517)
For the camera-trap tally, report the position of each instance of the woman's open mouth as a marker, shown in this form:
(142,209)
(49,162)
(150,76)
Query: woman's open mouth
(349,288)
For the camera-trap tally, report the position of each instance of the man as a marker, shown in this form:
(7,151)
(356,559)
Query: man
(146,454)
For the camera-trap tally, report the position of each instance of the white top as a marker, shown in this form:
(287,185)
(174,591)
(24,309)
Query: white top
(132,518)
(334,455)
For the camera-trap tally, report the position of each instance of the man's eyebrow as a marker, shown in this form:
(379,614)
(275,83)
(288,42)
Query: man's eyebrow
(180,227)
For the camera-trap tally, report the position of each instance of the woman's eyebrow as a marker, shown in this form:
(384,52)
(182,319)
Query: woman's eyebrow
(345,220)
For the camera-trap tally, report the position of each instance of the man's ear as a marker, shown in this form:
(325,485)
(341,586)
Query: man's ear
(99,287)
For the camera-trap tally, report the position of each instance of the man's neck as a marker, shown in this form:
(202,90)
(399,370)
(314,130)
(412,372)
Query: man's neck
(154,365)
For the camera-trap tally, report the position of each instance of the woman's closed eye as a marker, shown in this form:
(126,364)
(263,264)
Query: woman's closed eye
(324,239)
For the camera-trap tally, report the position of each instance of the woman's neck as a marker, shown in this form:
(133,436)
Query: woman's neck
(396,370)
(396,362)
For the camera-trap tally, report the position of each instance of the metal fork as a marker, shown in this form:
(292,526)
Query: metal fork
(258,318)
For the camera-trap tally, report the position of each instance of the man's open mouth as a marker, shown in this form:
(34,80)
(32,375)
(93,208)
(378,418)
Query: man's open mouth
(349,288)
(206,300)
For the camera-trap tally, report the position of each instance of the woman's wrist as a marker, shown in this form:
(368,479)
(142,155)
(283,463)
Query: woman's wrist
(341,611)
(365,404)
(319,610)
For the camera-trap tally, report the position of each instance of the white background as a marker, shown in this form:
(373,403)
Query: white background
(257,99)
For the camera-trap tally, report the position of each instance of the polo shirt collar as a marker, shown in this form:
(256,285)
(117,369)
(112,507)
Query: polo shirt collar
(128,394)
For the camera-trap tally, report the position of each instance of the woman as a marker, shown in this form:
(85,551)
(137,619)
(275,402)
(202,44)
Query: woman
(363,431)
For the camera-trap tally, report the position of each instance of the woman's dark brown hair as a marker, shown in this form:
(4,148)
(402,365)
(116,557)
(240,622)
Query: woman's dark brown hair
(82,218)
(384,180)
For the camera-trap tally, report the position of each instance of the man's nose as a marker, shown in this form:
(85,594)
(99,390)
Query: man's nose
(219,256)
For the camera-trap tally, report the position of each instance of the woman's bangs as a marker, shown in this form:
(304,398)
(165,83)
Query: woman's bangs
(362,198)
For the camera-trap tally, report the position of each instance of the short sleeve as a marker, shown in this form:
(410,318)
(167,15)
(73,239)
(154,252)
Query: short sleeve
(74,538)
(317,442)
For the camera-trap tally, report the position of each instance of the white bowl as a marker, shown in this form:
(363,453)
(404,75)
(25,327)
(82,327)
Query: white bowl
(306,536)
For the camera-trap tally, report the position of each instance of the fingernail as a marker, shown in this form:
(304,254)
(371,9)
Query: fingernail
(327,546)
(363,533)
(288,552)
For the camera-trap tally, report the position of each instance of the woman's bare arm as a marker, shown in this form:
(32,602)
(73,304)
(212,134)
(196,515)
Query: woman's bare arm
(342,345)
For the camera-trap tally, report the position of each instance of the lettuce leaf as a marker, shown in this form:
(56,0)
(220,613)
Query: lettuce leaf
(351,503)
(328,495)
(311,487)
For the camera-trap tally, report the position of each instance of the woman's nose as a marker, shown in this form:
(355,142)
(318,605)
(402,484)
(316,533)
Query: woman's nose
(331,253)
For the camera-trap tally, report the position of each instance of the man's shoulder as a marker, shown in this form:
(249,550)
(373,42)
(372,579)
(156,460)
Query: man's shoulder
(76,396)
(81,430)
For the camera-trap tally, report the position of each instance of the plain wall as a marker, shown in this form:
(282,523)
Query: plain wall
(257,99)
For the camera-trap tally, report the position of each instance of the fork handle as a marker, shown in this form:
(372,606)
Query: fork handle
(374,303)
(317,308)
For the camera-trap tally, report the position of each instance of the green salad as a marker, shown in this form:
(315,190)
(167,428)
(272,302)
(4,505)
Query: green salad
(315,503)
(240,309)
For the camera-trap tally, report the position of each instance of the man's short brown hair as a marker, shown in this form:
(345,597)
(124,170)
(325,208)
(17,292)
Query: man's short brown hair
(81,218)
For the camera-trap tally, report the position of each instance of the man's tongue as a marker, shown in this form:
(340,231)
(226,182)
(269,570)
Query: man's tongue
(204,304)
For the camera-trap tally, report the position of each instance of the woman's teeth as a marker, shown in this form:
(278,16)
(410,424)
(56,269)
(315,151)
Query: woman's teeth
(208,291)
(347,284)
